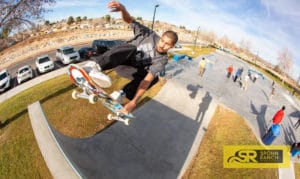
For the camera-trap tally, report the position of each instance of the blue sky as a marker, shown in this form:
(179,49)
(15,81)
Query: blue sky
(270,25)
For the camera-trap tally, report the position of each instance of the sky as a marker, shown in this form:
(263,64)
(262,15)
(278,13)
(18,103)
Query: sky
(269,25)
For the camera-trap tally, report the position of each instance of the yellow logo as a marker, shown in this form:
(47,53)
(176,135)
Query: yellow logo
(256,156)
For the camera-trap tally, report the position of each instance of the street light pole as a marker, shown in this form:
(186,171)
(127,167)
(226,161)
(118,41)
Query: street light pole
(154,15)
(196,40)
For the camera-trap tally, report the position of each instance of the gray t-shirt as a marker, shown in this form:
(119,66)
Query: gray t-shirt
(145,40)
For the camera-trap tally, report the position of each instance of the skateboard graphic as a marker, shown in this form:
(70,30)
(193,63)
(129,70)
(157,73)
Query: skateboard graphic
(93,93)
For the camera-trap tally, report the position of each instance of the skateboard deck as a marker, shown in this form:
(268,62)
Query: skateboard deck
(94,93)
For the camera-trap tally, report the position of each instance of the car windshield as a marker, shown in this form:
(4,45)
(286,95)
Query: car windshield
(89,49)
(23,70)
(105,43)
(2,76)
(43,60)
(111,43)
(68,51)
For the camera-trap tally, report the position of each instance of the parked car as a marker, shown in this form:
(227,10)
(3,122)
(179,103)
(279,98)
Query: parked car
(24,73)
(118,42)
(44,64)
(177,45)
(67,55)
(102,46)
(87,52)
(4,80)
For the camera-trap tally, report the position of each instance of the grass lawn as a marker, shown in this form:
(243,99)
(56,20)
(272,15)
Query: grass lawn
(197,52)
(297,170)
(19,154)
(226,128)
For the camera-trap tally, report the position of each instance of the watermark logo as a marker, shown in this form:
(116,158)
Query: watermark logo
(247,156)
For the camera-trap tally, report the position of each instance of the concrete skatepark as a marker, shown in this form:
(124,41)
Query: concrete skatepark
(168,130)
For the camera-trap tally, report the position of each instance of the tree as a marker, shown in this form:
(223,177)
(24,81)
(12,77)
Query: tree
(285,62)
(47,22)
(107,18)
(14,14)
(245,45)
(70,20)
(224,41)
(78,19)
(209,37)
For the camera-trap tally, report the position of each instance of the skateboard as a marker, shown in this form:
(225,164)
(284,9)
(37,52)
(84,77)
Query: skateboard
(94,93)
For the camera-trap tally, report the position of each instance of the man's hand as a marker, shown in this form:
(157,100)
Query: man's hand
(118,7)
(145,83)
(115,6)
(128,107)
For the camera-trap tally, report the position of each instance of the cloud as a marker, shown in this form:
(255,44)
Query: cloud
(269,25)
(78,3)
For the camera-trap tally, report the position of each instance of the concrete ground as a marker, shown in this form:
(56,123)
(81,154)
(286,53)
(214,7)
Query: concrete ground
(168,130)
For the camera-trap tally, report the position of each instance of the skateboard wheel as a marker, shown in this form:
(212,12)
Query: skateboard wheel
(93,98)
(109,117)
(126,122)
(75,94)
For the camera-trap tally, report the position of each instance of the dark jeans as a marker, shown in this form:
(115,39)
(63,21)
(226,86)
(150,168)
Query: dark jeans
(125,54)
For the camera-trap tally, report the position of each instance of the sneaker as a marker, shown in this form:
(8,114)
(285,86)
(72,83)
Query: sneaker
(118,96)
(94,71)
(91,65)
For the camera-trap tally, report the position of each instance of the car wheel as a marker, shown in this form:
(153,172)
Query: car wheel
(37,71)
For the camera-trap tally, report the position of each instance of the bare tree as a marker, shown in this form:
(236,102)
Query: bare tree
(245,45)
(224,41)
(209,37)
(14,14)
(285,62)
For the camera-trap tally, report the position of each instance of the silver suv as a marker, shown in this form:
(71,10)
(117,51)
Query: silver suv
(67,55)
(4,80)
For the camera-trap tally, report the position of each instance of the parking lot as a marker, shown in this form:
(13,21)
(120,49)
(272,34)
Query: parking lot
(12,70)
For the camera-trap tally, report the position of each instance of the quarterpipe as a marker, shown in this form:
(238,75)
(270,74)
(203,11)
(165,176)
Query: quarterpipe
(159,144)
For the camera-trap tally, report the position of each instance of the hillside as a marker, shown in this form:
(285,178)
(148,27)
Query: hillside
(47,38)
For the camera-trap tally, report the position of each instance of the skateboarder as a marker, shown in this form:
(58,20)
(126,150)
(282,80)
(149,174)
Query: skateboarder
(145,54)
(229,71)
(202,66)
(238,74)
(277,118)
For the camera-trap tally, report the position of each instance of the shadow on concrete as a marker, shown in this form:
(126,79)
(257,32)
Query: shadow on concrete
(194,90)
(266,95)
(295,114)
(155,145)
(177,72)
(203,106)
(289,135)
(260,117)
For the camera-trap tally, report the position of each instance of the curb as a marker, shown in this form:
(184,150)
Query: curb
(56,160)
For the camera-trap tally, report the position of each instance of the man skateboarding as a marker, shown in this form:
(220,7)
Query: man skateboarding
(277,118)
(145,54)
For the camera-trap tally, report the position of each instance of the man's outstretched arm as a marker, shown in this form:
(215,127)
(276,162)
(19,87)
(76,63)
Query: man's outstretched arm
(116,7)
(145,83)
